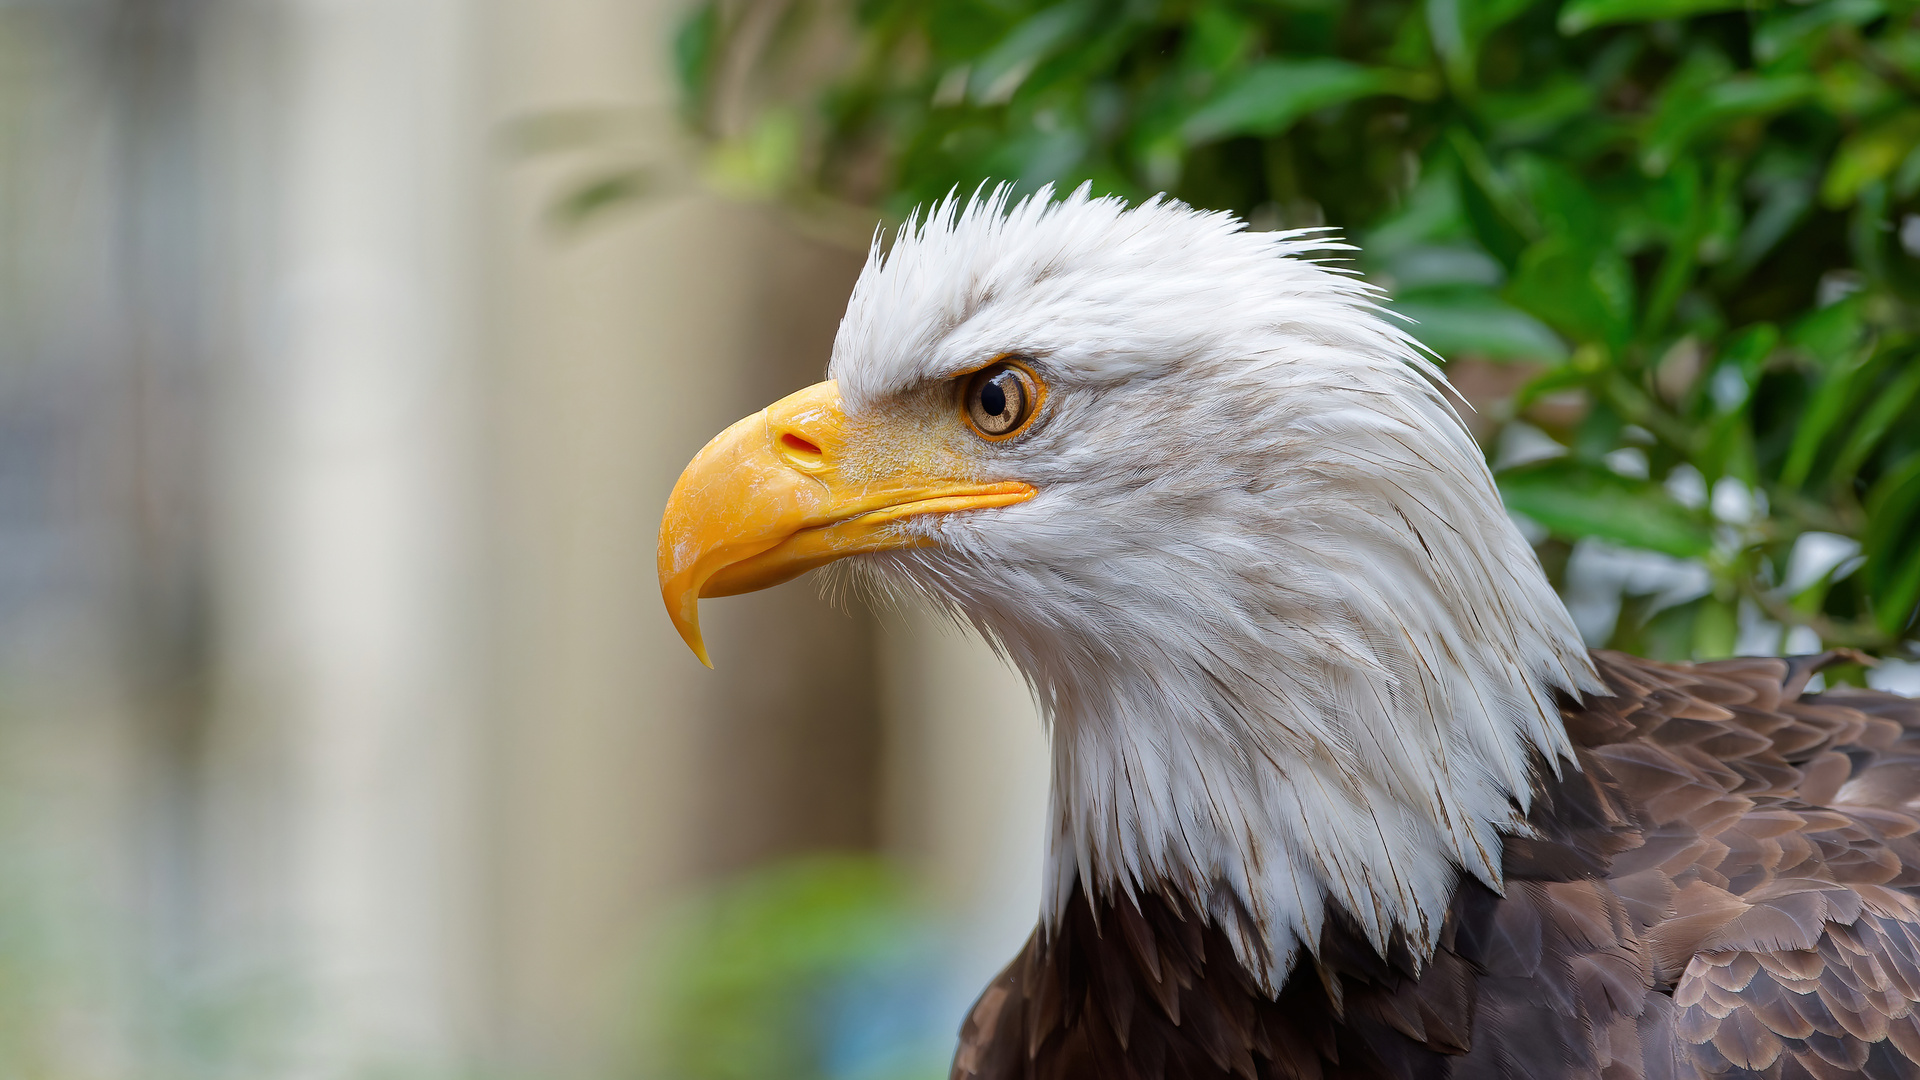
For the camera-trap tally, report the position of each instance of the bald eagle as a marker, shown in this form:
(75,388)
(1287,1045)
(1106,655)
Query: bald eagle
(1337,789)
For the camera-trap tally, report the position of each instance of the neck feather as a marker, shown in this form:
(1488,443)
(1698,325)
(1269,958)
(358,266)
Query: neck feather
(1257,795)
(1344,706)
(1260,834)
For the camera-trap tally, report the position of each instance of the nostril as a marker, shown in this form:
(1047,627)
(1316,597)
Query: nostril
(796,445)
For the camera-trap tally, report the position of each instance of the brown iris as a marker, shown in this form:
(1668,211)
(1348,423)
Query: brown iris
(1001,398)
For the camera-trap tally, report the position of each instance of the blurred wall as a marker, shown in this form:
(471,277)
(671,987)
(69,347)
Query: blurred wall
(628,770)
(105,600)
(341,777)
(625,769)
(341,727)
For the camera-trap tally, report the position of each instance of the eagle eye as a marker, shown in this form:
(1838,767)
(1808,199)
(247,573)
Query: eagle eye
(1001,398)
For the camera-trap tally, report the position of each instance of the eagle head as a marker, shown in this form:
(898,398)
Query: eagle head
(1218,509)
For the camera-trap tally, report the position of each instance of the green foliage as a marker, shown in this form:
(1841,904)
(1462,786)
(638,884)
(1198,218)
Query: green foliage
(813,967)
(1685,228)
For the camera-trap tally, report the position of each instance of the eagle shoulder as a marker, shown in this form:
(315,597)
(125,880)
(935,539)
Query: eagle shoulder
(1777,865)
(1725,887)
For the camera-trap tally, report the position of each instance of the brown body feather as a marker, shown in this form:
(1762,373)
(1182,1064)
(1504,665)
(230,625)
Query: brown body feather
(1726,888)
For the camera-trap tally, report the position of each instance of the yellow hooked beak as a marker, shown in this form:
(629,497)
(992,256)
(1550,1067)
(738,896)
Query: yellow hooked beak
(786,490)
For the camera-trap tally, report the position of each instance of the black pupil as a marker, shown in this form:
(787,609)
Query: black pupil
(993,397)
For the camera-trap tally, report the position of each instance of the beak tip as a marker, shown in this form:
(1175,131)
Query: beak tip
(684,611)
(690,633)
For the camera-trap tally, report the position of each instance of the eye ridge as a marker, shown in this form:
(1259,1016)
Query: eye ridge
(999,401)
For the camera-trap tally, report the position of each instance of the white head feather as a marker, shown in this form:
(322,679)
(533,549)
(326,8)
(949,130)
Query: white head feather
(1291,647)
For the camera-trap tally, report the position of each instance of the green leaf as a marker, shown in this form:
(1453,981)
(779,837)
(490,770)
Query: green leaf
(1575,499)
(1535,112)
(1689,111)
(1751,347)
(1430,214)
(1447,26)
(600,194)
(1793,29)
(1784,206)
(693,47)
(1218,38)
(1830,400)
(1457,27)
(998,74)
(956,33)
(1716,628)
(1480,324)
(1728,449)
(1584,293)
(1852,90)
(1679,195)
(1500,218)
(1907,180)
(1869,155)
(1832,333)
(1579,16)
(1892,546)
(1039,157)
(1418,267)
(1864,437)
(1267,98)
(1562,202)
(1668,635)
(763,161)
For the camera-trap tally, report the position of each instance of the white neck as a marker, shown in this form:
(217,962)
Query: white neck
(1332,685)
(1260,834)
(1363,760)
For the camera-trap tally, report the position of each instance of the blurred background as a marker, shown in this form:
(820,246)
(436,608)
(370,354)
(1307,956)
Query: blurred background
(349,348)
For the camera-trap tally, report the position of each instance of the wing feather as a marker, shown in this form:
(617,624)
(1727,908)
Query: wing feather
(1728,886)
